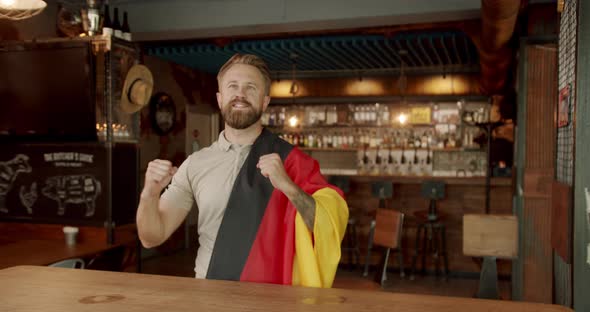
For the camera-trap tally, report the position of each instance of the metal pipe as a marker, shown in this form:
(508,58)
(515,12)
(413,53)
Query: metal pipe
(498,20)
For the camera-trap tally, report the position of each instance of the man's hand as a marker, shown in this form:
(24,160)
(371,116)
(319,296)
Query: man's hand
(158,174)
(271,166)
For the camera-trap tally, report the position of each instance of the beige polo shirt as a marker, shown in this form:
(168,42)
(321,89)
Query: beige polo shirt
(207,177)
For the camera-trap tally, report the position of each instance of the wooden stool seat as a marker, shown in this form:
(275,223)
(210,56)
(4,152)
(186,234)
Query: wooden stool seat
(386,231)
(490,237)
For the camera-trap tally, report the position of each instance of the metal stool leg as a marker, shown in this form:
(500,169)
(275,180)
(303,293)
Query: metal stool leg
(488,280)
(416,247)
(400,257)
(369,247)
(385,263)
(436,249)
(444,250)
(426,246)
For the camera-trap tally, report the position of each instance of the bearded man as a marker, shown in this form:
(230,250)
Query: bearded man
(266,214)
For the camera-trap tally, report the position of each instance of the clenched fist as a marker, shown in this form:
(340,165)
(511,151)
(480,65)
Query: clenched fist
(271,166)
(158,174)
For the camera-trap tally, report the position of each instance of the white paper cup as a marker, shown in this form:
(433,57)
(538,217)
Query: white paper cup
(70,234)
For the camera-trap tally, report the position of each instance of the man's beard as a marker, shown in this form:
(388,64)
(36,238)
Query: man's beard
(239,119)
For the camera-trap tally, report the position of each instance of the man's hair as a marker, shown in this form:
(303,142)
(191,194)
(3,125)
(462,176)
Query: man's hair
(247,59)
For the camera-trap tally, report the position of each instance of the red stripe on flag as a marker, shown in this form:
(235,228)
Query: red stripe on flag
(271,256)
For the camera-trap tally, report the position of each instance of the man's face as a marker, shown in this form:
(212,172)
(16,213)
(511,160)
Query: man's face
(241,96)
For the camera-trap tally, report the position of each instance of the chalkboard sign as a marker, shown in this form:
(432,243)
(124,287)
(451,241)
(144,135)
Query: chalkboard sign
(60,183)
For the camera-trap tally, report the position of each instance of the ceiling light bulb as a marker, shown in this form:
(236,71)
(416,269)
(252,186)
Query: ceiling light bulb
(402,118)
(293,121)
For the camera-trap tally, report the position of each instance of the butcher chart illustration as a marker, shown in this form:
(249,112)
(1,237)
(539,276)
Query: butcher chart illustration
(9,170)
(73,189)
(28,197)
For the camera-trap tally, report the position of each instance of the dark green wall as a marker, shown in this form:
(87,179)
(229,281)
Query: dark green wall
(582,162)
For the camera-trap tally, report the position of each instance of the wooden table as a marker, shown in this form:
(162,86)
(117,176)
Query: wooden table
(29,288)
(43,244)
(45,252)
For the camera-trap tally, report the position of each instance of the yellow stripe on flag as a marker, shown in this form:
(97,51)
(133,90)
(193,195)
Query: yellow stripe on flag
(316,258)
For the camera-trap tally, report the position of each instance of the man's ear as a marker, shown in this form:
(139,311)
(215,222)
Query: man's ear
(218,95)
(266,102)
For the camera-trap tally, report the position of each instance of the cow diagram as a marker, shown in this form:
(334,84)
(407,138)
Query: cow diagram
(73,189)
(64,189)
(9,170)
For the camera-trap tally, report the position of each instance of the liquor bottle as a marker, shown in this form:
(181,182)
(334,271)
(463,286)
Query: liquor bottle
(365,161)
(93,18)
(272,119)
(385,115)
(107,24)
(378,114)
(116,24)
(125,27)
(390,158)
(389,165)
(281,119)
(328,141)
(378,162)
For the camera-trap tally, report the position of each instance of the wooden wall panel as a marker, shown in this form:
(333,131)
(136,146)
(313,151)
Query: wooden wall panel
(541,96)
(538,255)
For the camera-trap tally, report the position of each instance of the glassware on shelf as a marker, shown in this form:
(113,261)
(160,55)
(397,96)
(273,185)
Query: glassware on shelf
(331,115)
(385,117)
(120,131)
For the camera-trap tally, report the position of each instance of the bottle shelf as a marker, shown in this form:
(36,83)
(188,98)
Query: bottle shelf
(287,128)
(355,149)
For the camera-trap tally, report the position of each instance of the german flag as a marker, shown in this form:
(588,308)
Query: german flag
(262,237)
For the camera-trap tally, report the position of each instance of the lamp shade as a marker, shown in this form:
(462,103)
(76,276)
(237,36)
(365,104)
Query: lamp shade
(20,9)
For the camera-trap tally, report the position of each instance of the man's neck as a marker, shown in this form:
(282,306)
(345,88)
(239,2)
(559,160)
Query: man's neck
(243,136)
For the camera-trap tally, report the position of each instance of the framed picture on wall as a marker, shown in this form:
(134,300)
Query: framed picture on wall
(162,113)
(563,108)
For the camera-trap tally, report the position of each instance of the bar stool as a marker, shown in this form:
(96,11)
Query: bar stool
(350,244)
(386,230)
(431,230)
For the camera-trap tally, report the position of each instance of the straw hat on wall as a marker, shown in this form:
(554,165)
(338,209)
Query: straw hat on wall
(137,89)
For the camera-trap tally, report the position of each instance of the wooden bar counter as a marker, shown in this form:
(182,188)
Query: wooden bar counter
(464,195)
(29,288)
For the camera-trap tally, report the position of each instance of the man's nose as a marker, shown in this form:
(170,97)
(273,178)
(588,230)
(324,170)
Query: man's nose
(239,97)
(242,91)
